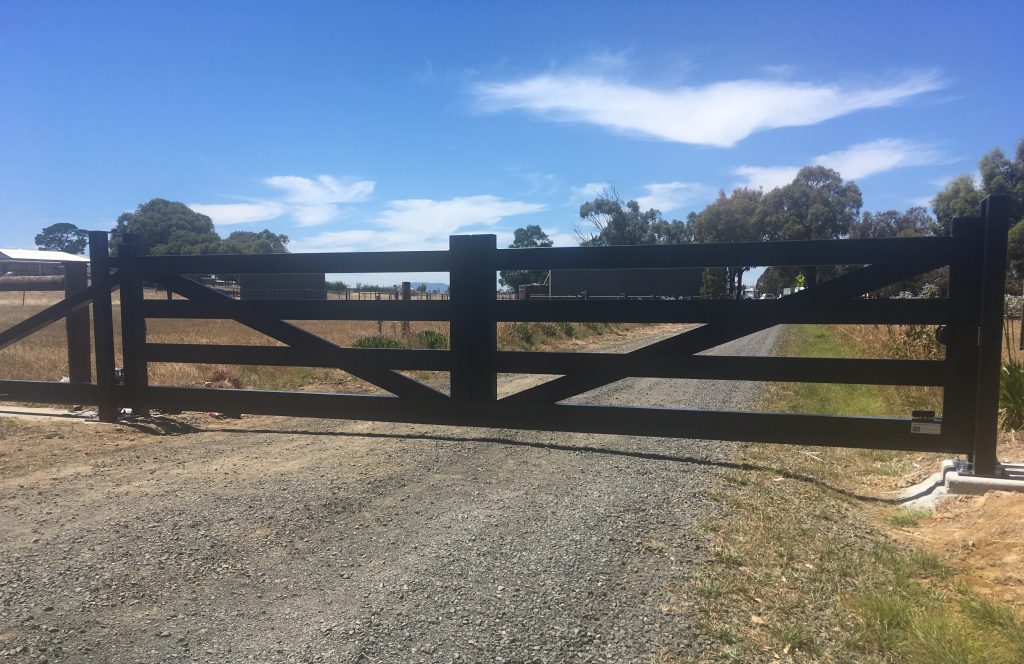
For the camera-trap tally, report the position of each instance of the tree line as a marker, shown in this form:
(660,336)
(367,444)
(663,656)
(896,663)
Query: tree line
(166,228)
(817,205)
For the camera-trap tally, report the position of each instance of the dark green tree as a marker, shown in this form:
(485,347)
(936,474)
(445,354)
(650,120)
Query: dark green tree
(607,221)
(958,199)
(816,205)
(531,236)
(728,219)
(915,222)
(63,236)
(249,242)
(168,228)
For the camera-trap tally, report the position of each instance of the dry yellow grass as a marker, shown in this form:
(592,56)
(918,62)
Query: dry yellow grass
(43,356)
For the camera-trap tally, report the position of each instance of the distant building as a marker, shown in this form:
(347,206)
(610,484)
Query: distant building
(35,262)
(304,286)
(638,282)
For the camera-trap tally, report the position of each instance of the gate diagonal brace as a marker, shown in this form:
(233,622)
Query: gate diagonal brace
(292,335)
(51,314)
(828,295)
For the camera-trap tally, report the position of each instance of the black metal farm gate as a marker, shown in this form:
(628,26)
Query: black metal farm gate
(971,320)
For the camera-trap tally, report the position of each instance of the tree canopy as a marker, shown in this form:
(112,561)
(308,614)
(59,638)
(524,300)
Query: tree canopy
(608,221)
(530,236)
(167,228)
(816,205)
(729,218)
(915,222)
(249,242)
(962,197)
(63,236)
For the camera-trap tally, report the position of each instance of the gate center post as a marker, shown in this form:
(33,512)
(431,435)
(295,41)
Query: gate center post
(473,326)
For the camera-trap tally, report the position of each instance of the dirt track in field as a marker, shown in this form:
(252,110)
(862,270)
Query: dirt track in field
(298,540)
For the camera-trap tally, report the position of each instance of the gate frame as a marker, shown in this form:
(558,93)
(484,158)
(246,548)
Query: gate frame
(972,317)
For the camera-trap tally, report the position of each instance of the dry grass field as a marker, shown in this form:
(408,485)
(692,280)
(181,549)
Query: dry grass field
(43,355)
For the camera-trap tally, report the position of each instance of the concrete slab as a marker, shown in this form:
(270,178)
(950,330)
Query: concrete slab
(1011,478)
(954,477)
(42,413)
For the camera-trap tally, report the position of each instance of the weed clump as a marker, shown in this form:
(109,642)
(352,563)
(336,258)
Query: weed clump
(377,341)
(432,339)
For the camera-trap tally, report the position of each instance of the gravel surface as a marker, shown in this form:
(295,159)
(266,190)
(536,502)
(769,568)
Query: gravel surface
(297,540)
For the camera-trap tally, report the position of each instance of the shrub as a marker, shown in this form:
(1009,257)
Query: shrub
(523,332)
(1011,388)
(224,377)
(567,329)
(914,342)
(377,341)
(432,339)
(1011,395)
(549,329)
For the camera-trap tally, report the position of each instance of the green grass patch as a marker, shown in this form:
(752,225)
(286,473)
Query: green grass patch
(800,566)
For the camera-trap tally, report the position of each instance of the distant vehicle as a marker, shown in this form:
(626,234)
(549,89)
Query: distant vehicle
(767,296)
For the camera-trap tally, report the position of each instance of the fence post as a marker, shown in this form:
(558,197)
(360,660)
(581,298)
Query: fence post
(76,325)
(133,327)
(406,296)
(473,327)
(995,214)
(103,326)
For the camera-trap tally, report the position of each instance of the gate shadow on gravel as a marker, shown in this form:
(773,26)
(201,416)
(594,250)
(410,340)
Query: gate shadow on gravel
(587,449)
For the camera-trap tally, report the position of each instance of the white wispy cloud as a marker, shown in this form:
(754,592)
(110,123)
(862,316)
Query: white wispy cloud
(766,177)
(589,190)
(719,114)
(665,196)
(225,214)
(854,163)
(316,201)
(419,223)
(310,201)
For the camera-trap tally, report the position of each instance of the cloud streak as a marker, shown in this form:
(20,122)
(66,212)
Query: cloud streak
(310,201)
(419,223)
(719,114)
(665,196)
(855,163)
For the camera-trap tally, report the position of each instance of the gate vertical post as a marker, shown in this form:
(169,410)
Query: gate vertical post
(473,326)
(406,296)
(995,213)
(76,325)
(133,327)
(103,325)
(959,394)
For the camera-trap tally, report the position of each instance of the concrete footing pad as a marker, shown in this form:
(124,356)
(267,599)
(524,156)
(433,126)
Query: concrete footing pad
(954,477)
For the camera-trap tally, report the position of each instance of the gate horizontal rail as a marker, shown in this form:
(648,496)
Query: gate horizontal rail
(796,429)
(971,319)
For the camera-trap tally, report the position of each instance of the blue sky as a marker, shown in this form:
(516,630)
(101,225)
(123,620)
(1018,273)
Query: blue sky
(372,126)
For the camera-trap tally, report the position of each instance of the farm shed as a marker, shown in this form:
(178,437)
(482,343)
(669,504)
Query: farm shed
(35,262)
(300,286)
(658,282)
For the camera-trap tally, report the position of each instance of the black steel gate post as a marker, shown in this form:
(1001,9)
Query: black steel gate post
(995,217)
(103,325)
(959,394)
(473,325)
(133,327)
(76,325)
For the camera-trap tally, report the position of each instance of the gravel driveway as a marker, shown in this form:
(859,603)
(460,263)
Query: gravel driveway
(297,540)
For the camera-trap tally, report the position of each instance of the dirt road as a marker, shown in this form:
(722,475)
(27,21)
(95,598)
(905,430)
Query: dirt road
(290,540)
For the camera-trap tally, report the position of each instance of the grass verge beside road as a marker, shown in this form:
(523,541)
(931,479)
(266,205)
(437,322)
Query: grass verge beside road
(811,561)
